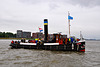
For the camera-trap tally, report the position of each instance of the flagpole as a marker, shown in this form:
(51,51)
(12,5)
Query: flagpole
(69,23)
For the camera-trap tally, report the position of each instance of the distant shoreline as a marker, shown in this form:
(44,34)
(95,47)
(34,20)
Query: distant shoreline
(17,38)
(92,39)
(10,38)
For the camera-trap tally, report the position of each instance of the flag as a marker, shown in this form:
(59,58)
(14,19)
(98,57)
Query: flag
(40,29)
(70,18)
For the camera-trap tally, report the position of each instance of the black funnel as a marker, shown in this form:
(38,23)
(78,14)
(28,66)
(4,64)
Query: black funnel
(45,30)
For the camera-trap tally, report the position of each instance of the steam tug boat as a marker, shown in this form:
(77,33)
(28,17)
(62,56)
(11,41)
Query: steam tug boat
(58,42)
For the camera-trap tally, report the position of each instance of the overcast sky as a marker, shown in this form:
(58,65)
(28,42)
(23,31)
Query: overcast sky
(28,15)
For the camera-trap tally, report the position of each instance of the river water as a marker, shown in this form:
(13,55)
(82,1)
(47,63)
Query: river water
(43,58)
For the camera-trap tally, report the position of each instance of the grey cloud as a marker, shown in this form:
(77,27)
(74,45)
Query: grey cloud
(31,1)
(53,6)
(85,3)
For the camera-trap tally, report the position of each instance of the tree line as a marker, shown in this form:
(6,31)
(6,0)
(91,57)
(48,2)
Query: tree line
(7,35)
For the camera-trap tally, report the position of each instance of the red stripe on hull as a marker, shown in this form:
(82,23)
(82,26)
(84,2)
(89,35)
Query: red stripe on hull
(82,50)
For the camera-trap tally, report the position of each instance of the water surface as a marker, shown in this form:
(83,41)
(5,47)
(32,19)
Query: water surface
(43,58)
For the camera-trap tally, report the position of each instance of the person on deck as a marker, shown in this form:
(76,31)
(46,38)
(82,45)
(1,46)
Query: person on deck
(69,40)
(72,40)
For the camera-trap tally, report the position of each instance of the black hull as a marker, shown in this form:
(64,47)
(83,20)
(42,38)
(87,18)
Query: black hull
(68,47)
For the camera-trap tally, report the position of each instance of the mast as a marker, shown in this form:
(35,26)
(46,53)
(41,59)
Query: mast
(69,23)
(81,37)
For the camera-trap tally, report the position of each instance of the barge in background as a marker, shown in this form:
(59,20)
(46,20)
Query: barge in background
(58,42)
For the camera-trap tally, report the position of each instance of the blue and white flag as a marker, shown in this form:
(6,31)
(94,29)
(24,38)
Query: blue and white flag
(70,18)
